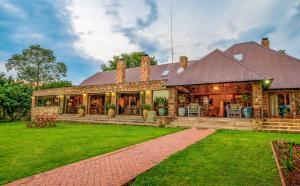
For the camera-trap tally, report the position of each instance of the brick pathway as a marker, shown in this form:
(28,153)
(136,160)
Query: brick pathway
(118,167)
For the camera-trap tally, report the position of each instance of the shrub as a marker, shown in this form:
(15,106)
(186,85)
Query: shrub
(147,107)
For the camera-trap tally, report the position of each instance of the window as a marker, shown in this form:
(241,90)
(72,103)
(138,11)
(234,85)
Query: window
(239,56)
(179,70)
(43,101)
(165,72)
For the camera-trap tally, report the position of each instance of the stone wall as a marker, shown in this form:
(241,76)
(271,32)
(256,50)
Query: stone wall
(257,98)
(172,110)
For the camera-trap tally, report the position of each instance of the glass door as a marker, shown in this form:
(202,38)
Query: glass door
(280,103)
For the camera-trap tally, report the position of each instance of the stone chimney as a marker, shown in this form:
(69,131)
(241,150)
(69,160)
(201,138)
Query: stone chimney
(183,62)
(145,68)
(121,71)
(265,42)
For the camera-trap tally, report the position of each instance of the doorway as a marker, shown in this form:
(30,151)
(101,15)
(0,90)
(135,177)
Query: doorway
(96,104)
(129,103)
(280,100)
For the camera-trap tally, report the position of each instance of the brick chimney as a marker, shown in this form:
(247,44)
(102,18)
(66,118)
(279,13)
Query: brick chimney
(265,42)
(121,71)
(183,62)
(145,68)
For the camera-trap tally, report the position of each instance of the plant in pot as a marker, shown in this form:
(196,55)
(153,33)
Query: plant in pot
(161,103)
(81,110)
(146,108)
(181,109)
(111,110)
(248,110)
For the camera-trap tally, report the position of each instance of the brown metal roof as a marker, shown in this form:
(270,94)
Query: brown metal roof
(216,67)
(133,74)
(282,68)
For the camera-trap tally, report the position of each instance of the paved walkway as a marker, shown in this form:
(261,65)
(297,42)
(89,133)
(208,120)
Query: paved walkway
(121,166)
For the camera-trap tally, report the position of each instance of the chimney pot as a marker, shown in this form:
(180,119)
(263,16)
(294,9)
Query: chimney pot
(265,42)
(183,62)
(121,71)
(145,68)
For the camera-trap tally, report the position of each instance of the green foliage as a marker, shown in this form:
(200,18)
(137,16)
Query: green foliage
(147,107)
(161,101)
(15,99)
(132,60)
(289,161)
(56,84)
(111,106)
(246,97)
(37,65)
(181,99)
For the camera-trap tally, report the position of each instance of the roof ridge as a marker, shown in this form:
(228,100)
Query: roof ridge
(189,67)
(238,62)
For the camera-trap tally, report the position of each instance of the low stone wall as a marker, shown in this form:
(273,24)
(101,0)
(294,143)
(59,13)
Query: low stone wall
(41,110)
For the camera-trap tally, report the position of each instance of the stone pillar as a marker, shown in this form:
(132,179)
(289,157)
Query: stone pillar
(145,68)
(121,71)
(293,105)
(61,104)
(266,105)
(113,98)
(183,62)
(257,99)
(33,98)
(172,102)
(85,101)
(148,97)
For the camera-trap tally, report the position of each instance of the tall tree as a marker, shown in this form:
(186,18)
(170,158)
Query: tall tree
(132,60)
(37,65)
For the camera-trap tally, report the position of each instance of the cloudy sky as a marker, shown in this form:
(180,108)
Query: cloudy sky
(86,34)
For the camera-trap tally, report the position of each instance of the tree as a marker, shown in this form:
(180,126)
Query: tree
(36,65)
(132,60)
(56,84)
(15,99)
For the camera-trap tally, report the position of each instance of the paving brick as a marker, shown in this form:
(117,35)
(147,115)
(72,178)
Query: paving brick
(118,167)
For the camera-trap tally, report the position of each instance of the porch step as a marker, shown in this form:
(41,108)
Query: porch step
(131,120)
(282,125)
(215,123)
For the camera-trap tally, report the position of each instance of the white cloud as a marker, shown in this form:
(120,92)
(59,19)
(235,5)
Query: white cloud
(95,31)
(199,26)
(12,9)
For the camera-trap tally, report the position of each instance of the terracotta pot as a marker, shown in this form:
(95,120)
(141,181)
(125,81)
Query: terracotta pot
(111,113)
(145,113)
(81,112)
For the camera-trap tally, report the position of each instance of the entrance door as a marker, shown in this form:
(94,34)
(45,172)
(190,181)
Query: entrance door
(278,100)
(97,104)
(129,103)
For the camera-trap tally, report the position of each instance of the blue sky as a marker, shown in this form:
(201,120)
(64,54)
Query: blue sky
(86,34)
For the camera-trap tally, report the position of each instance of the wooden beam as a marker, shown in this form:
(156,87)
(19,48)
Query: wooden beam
(183,89)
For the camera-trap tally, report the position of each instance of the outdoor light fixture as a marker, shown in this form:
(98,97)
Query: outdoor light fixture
(148,92)
(113,94)
(84,94)
(267,81)
(32,97)
(216,88)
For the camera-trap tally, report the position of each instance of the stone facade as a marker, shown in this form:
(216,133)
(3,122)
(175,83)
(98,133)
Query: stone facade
(172,110)
(257,98)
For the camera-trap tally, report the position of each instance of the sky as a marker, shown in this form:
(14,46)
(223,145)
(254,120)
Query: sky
(86,34)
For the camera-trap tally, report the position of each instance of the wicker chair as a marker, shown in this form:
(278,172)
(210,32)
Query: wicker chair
(194,108)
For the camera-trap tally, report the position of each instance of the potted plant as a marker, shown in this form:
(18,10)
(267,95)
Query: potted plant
(248,110)
(81,110)
(161,103)
(146,108)
(111,110)
(181,109)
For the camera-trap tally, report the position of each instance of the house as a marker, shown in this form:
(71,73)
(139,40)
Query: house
(268,78)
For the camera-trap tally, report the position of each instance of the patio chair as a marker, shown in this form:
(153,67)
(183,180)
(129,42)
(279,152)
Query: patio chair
(234,110)
(128,110)
(194,108)
(135,110)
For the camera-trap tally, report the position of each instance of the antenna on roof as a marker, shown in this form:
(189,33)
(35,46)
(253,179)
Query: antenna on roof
(172,53)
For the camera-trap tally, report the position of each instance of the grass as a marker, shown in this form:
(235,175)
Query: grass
(25,152)
(224,158)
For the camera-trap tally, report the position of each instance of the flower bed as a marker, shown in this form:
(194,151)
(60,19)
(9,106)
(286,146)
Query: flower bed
(288,156)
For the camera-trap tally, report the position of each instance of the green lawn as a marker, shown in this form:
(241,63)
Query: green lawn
(24,152)
(224,158)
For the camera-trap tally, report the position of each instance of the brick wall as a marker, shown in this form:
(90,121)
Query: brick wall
(145,68)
